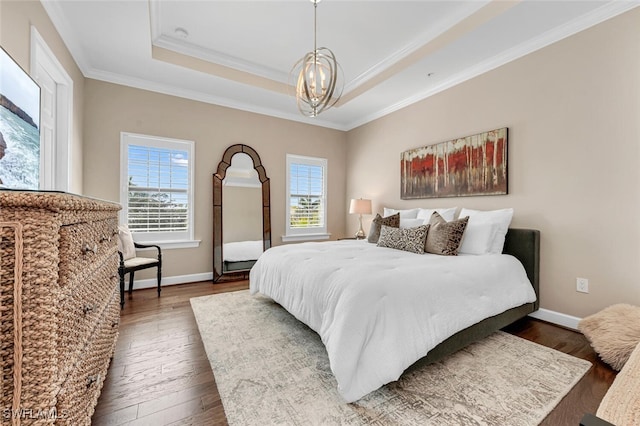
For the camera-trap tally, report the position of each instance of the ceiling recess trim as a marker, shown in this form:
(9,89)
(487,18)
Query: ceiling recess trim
(416,44)
(595,17)
(77,51)
(487,12)
(222,71)
(189,49)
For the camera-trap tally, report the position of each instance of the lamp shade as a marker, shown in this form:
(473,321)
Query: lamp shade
(360,206)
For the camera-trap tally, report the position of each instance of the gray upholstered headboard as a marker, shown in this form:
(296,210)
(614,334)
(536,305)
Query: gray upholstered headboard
(524,244)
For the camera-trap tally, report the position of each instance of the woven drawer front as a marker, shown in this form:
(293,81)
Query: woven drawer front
(81,309)
(80,392)
(7,264)
(83,247)
(35,358)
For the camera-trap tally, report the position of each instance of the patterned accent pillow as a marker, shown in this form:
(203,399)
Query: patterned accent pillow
(407,239)
(445,237)
(374,231)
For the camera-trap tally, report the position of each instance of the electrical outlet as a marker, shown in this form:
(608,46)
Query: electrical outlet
(582,285)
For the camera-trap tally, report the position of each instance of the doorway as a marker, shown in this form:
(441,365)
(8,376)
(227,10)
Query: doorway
(56,112)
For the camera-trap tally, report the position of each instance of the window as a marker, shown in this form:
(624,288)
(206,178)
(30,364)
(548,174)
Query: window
(306,198)
(157,189)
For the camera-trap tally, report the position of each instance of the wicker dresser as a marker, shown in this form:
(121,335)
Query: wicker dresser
(59,305)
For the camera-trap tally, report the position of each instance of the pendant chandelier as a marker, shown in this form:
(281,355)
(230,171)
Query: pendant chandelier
(316,77)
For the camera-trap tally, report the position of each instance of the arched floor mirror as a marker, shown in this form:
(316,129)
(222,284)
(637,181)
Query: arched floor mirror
(241,213)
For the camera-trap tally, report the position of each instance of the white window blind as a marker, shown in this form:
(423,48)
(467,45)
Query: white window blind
(306,195)
(157,189)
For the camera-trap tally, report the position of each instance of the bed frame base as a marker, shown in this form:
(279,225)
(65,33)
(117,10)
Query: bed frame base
(524,244)
(474,333)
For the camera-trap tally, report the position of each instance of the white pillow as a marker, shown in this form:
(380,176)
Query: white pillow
(446,214)
(125,243)
(502,220)
(478,236)
(411,223)
(407,214)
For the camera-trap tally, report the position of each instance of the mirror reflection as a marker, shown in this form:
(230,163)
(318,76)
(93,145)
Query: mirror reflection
(242,222)
(242,229)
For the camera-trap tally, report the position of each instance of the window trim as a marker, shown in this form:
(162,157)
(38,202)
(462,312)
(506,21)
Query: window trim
(301,234)
(164,240)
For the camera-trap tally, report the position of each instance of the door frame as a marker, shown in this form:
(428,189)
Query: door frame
(55,168)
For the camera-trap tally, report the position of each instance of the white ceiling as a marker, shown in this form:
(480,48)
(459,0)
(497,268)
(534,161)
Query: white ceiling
(239,53)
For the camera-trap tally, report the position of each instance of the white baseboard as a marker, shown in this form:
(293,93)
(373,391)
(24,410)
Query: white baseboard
(556,318)
(179,279)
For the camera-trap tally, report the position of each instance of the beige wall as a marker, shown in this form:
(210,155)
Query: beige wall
(111,109)
(16,18)
(573,112)
(241,214)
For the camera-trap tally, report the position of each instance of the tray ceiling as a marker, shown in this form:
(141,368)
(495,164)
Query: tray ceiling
(239,53)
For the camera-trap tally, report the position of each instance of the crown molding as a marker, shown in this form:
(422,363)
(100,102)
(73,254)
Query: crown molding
(167,89)
(68,37)
(595,17)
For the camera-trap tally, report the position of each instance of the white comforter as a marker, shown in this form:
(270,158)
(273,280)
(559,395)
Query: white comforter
(378,310)
(240,251)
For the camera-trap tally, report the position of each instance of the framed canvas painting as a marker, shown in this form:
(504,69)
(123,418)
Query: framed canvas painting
(19,126)
(472,165)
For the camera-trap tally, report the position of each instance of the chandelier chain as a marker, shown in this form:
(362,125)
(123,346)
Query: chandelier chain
(315,36)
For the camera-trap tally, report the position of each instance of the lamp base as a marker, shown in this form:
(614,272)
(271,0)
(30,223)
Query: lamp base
(360,235)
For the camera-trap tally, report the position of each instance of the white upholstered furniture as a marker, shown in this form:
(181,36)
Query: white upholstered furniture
(130,262)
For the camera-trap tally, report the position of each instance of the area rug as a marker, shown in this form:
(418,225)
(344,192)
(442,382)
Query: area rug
(272,369)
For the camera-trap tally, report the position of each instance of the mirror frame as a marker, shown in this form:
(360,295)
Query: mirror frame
(219,275)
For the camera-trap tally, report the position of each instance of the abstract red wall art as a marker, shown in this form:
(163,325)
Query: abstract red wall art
(472,165)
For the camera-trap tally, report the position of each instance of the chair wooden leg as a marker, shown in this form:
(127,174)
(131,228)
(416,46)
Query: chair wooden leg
(121,290)
(159,279)
(130,282)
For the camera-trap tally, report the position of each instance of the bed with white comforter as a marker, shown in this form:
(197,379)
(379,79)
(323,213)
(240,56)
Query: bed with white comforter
(379,310)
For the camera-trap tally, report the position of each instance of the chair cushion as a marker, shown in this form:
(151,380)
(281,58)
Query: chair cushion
(139,261)
(125,243)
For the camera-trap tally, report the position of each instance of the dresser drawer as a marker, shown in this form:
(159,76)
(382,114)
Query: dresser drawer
(81,308)
(68,252)
(81,389)
(84,246)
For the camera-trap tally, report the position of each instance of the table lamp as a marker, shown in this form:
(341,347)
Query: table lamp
(360,207)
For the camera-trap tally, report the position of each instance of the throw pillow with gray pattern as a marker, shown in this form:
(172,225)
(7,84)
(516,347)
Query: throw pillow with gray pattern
(407,239)
(374,231)
(444,237)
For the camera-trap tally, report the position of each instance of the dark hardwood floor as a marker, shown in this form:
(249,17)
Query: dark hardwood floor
(160,374)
